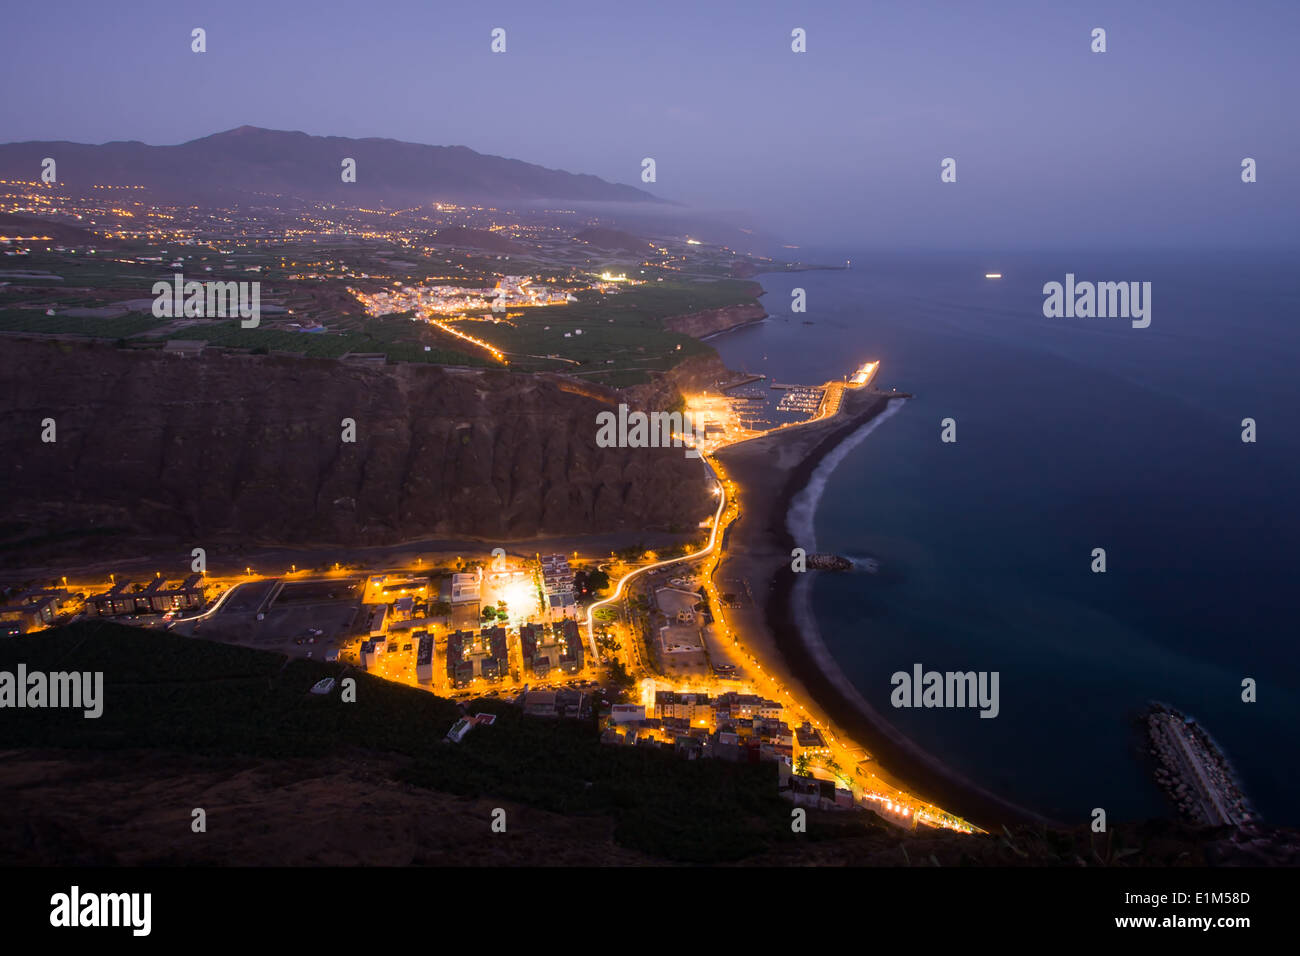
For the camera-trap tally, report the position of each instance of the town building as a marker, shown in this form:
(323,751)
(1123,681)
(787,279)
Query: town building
(625,713)
(401,587)
(464,589)
(748,706)
(34,609)
(557,582)
(571,657)
(808,740)
(696,708)
(496,664)
(114,602)
(154,598)
(460,671)
(23,617)
(371,651)
(424,657)
(566,703)
(539,703)
(459,729)
(530,636)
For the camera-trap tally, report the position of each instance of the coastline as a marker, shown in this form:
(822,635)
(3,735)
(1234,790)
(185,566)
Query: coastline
(732,328)
(774,473)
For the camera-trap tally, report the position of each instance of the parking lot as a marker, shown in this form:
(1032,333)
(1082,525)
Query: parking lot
(319,613)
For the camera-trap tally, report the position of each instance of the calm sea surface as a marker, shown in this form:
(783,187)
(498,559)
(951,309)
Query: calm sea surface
(1072,434)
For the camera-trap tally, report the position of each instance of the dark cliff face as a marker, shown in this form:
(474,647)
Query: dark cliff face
(712,321)
(248,449)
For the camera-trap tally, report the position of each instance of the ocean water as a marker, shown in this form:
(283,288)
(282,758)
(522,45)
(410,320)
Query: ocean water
(1072,434)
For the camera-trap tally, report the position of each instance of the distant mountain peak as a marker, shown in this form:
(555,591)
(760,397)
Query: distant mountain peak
(253,159)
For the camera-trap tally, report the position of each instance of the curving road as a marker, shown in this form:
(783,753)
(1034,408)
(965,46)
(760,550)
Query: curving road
(703,552)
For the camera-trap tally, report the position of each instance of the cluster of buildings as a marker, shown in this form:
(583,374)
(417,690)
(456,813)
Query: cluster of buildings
(545,648)
(805,791)
(607,282)
(159,596)
(468,656)
(396,605)
(377,646)
(732,726)
(477,643)
(488,652)
(508,292)
(32,610)
(742,728)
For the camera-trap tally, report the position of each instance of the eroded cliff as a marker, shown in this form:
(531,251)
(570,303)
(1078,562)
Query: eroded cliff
(712,321)
(249,449)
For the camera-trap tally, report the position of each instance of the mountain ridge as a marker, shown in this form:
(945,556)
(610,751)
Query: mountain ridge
(254,159)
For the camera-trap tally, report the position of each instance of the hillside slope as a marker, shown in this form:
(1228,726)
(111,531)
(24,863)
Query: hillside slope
(289,778)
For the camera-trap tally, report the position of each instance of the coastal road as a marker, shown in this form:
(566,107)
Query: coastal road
(622,582)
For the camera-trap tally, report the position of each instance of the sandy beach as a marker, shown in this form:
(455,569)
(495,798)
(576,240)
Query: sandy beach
(770,473)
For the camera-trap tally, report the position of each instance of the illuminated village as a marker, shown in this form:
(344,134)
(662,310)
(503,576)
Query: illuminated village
(641,640)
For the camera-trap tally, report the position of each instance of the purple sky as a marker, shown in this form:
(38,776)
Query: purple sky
(1055,145)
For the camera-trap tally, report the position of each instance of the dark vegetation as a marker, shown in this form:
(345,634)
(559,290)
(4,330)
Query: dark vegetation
(173,704)
(198,697)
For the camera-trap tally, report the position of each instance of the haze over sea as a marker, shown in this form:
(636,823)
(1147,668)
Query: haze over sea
(1072,434)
